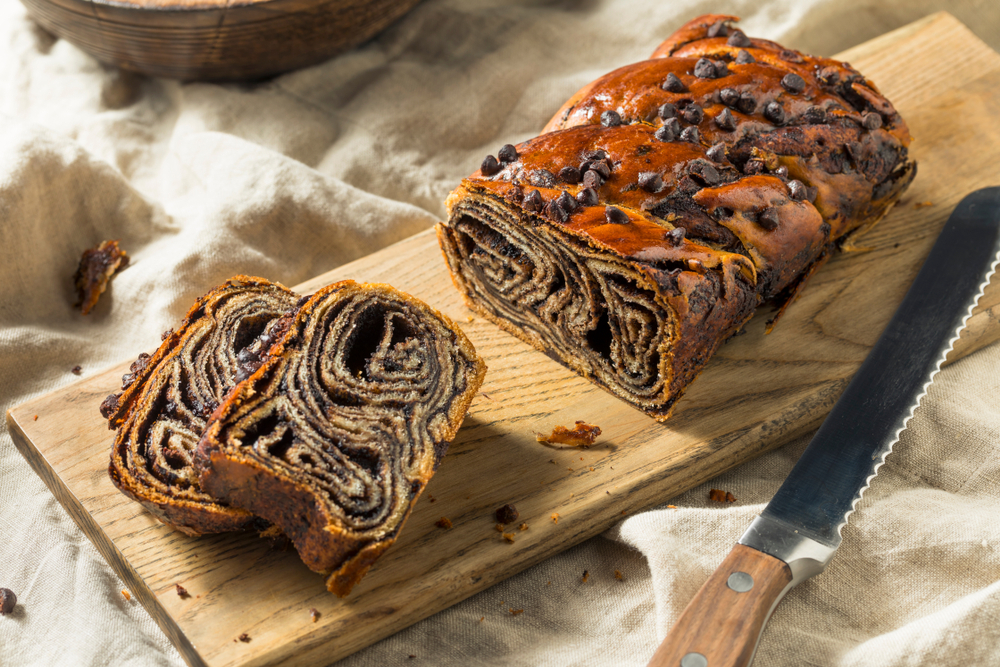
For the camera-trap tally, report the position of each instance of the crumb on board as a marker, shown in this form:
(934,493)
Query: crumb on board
(126,594)
(444,522)
(515,612)
(411,656)
(499,527)
(506,513)
(36,418)
(523,526)
(245,638)
(431,498)
(314,614)
(923,204)
(618,575)
(77,370)
(555,517)
(470,318)
(592,468)
(581,435)
(549,583)
(585,577)
(509,537)
(482,618)
(721,496)
(182,592)
(97,266)
(552,460)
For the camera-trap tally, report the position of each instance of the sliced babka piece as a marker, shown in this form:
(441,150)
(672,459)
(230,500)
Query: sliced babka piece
(336,435)
(167,398)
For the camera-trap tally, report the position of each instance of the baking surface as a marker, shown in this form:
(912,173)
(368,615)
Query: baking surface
(757,393)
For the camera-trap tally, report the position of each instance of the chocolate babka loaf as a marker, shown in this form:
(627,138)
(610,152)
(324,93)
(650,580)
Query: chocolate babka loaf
(337,433)
(167,399)
(668,199)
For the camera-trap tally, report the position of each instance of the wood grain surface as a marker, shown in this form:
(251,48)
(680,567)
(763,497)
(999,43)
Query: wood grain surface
(757,393)
(215,39)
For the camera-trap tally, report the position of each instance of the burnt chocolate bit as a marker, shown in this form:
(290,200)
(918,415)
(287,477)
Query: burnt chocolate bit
(556,212)
(747,103)
(729,96)
(570,175)
(829,75)
(516,194)
(739,39)
(109,405)
(7,601)
(507,153)
(674,84)
(744,58)
(726,120)
(611,118)
(533,202)
(615,216)
(704,171)
(793,83)
(587,197)
(796,190)
(721,213)
(688,185)
(691,134)
(490,166)
(507,514)
(814,115)
(775,113)
(166,334)
(717,153)
(718,29)
(768,218)
(791,56)
(694,114)
(704,69)
(567,203)
(650,181)
(667,110)
(592,179)
(675,236)
(542,178)
(182,592)
(871,121)
(665,134)
(753,167)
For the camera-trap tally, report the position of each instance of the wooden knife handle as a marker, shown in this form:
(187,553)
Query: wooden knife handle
(721,625)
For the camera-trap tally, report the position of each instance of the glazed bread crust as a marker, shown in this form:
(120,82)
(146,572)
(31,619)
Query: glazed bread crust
(668,199)
(337,433)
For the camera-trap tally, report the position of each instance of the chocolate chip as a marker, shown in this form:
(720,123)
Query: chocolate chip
(829,75)
(664,134)
(753,167)
(853,149)
(182,592)
(814,115)
(704,69)
(774,113)
(516,194)
(556,212)
(718,29)
(592,179)
(811,194)
(507,514)
(738,38)
(726,121)
(77,370)
(675,236)
(650,181)
(747,103)
(533,202)
(793,83)
(7,601)
(871,121)
(566,201)
(688,186)
(705,172)
(611,118)
(768,219)
(691,134)
(667,110)
(587,197)
(507,153)
(694,114)
(729,97)
(542,178)
(615,216)
(109,405)
(796,190)
(781,172)
(673,84)
(570,175)
(717,153)
(721,69)
(790,56)
(596,154)
(744,58)
(245,638)
(490,166)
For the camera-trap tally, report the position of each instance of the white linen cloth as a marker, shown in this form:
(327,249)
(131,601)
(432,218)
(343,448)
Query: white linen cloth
(291,177)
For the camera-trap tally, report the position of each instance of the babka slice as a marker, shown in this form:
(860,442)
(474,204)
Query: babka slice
(336,435)
(168,397)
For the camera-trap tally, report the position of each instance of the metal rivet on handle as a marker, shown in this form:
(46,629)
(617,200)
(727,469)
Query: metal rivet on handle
(694,660)
(740,582)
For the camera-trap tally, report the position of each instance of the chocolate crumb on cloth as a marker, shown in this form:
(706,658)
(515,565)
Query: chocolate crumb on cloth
(712,177)
(8,600)
(97,266)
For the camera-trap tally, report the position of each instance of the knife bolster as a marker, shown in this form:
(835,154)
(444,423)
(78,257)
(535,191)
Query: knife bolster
(805,556)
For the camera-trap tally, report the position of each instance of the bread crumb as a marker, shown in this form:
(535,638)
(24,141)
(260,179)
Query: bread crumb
(515,612)
(499,527)
(245,638)
(97,266)
(126,594)
(444,522)
(431,498)
(509,537)
(581,435)
(182,592)
(618,575)
(482,618)
(523,526)
(470,318)
(923,204)
(550,460)
(586,575)
(314,614)
(591,468)
(555,518)
(36,417)
(671,507)
(721,496)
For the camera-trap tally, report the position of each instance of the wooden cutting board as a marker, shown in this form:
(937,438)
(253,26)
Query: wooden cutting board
(758,392)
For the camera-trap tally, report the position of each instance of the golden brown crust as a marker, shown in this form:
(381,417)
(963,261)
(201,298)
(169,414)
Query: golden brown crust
(335,436)
(667,199)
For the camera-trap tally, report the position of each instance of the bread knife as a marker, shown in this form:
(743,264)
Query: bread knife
(798,532)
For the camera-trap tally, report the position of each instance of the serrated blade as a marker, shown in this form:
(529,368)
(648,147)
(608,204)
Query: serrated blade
(802,523)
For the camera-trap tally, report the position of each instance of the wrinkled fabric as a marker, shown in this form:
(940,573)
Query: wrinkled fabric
(294,176)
